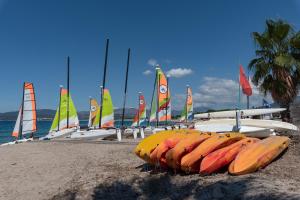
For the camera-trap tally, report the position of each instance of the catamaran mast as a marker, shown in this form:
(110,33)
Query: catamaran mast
(125,89)
(138,122)
(22,111)
(186,103)
(60,90)
(103,83)
(90,117)
(36,128)
(167,103)
(152,99)
(68,90)
(157,99)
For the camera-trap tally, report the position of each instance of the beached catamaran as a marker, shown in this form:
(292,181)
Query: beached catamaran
(66,119)
(26,121)
(104,121)
(107,121)
(187,112)
(161,103)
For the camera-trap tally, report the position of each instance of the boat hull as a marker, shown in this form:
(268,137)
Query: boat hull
(93,134)
(244,113)
(222,157)
(147,145)
(258,155)
(185,146)
(59,134)
(191,162)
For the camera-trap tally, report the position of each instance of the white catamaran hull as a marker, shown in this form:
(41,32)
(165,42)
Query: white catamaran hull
(259,123)
(59,134)
(18,141)
(247,130)
(244,113)
(93,134)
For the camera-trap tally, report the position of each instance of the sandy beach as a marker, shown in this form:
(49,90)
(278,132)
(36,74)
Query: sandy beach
(110,170)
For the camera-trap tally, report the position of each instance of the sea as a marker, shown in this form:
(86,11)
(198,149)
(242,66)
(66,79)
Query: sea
(6,128)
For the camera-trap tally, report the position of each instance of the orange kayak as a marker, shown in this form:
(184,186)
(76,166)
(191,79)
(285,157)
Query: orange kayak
(185,146)
(222,157)
(158,154)
(258,155)
(191,162)
(147,145)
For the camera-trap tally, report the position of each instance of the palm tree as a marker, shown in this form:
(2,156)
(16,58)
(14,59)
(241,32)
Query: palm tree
(276,67)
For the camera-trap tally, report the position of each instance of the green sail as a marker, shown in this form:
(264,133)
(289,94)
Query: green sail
(153,106)
(107,113)
(61,113)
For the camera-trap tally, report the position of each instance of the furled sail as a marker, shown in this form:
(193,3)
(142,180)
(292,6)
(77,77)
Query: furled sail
(60,119)
(140,116)
(187,112)
(94,107)
(107,113)
(26,121)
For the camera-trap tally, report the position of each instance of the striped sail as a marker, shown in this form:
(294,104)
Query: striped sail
(60,119)
(26,121)
(94,107)
(107,113)
(164,97)
(140,116)
(187,112)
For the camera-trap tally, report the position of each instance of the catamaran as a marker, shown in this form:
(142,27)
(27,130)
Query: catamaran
(138,119)
(26,121)
(187,112)
(66,120)
(106,127)
(161,103)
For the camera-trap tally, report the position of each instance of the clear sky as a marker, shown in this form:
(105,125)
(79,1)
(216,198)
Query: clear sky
(201,42)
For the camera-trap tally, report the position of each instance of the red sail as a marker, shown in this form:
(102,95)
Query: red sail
(247,90)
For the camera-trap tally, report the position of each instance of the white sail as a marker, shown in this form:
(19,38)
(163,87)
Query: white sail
(17,125)
(29,111)
(26,121)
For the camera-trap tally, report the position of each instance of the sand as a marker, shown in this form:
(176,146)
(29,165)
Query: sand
(110,170)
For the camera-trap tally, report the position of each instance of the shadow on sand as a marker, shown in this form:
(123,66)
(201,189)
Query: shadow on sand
(170,186)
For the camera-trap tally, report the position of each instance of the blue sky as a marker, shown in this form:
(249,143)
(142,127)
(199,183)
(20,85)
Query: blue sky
(201,42)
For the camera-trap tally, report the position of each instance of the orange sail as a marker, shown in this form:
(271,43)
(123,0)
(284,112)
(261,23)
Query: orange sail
(26,121)
(140,116)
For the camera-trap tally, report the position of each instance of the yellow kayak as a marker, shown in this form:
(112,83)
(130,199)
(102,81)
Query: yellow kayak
(258,155)
(191,161)
(147,145)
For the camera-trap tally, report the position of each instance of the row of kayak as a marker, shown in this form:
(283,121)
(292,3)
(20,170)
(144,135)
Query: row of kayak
(192,151)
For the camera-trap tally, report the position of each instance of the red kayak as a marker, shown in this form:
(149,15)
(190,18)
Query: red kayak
(222,157)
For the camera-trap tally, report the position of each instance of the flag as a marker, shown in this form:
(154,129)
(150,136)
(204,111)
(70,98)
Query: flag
(247,90)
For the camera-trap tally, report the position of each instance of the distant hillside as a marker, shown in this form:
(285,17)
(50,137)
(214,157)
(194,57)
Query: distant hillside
(48,114)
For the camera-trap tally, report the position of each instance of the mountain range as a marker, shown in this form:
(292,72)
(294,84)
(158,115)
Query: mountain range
(48,114)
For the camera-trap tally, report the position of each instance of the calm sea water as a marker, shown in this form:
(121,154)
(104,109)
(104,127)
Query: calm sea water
(6,128)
